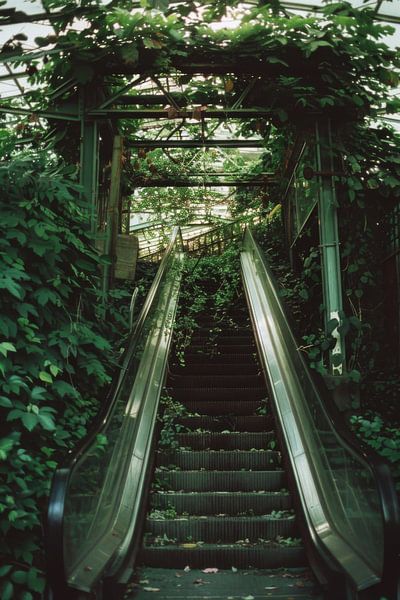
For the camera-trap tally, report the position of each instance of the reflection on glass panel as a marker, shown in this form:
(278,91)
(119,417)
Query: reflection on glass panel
(345,482)
(97,481)
(303,191)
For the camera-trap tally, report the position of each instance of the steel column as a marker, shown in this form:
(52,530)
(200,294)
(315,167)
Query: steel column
(89,162)
(329,244)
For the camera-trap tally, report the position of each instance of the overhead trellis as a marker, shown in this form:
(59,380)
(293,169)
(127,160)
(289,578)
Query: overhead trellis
(295,65)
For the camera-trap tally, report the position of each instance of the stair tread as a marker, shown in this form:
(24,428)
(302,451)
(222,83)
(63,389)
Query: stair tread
(285,583)
(225,555)
(247,423)
(226,440)
(226,481)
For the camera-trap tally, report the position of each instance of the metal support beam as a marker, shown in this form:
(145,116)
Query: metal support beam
(57,116)
(195,143)
(156,113)
(201,183)
(113,215)
(89,165)
(329,244)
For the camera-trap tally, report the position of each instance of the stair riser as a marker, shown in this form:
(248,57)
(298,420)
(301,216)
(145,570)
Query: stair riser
(225,349)
(217,394)
(226,441)
(223,331)
(225,530)
(218,340)
(233,380)
(224,558)
(229,481)
(243,357)
(214,408)
(229,460)
(227,369)
(217,503)
(233,423)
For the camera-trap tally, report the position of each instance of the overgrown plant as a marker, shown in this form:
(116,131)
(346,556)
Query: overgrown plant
(55,354)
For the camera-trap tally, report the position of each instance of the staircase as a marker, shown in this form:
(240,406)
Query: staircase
(220,507)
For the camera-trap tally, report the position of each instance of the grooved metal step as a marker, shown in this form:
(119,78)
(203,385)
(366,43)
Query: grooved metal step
(232,422)
(224,349)
(229,481)
(235,379)
(227,441)
(228,460)
(239,356)
(221,407)
(216,369)
(220,529)
(224,556)
(193,584)
(216,393)
(213,503)
(225,330)
(222,340)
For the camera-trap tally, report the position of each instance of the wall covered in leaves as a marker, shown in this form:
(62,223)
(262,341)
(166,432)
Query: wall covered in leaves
(55,353)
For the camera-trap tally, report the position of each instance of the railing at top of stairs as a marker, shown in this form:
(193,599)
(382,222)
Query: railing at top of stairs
(213,241)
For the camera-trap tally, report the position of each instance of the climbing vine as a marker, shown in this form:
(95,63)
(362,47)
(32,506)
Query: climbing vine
(56,355)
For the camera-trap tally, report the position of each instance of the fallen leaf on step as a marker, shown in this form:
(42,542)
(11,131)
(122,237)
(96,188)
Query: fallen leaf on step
(187,569)
(189,546)
(144,581)
(210,570)
(271,587)
(150,589)
(200,582)
(234,570)
(247,597)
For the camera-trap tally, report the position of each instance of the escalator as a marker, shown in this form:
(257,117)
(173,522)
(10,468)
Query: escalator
(221,521)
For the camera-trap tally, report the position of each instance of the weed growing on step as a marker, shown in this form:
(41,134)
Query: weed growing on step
(172,410)
(159,514)
(222,275)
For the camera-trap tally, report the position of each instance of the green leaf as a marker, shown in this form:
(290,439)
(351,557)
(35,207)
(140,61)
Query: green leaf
(331,325)
(38,393)
(35,582)
(337,359)
(46,377)
(12,287)
(355,375)
(19,577)
(7,592)
(54,370)
(130,54)
(303,293)
(29,420)
(6,347)
(5,402)
(47,422)
(4,570)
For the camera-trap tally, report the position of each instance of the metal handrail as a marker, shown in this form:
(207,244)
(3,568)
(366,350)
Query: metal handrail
(55,530)
(345,490)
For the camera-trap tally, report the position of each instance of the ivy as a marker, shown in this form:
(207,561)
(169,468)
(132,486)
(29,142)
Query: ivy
(55,353)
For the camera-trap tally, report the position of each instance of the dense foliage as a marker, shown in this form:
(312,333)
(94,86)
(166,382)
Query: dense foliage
(55,353)
(289,66)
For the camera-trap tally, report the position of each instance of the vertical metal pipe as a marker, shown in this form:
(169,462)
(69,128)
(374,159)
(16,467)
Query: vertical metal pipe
(329,243)
(89,165)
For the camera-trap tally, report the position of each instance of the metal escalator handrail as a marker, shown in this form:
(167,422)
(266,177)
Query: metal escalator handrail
(54,533)
(388,503)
